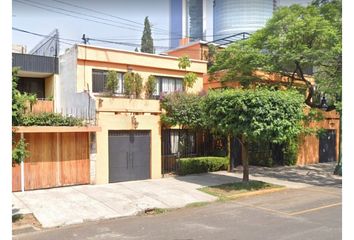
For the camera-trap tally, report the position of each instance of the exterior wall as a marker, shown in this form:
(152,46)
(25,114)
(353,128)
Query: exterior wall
(193,51)
(213,83)
(49,86)
(71,100)
(122,61)
(309,149)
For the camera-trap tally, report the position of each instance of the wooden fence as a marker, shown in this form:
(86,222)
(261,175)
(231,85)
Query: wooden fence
(56,159)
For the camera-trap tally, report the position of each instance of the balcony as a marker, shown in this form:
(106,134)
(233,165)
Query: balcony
(125,105)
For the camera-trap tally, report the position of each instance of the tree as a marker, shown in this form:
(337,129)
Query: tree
(190,77)
(295,39)
(112,82)
(184,110)
(150,86)
(147,44)
(253,115)
(133,84)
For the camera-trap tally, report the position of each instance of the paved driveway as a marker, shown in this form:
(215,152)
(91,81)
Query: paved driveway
(69,205)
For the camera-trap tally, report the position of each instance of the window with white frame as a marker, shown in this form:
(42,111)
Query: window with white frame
(167,85)
(99,81)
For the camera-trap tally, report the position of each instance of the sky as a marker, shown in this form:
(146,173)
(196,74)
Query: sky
(42,17)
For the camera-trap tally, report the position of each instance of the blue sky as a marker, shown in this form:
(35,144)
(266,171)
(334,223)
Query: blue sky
(38,20)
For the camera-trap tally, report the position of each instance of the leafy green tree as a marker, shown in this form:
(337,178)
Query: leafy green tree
(150,86)
(133,84)
(296,38)
(189,78)
(138,82)
(147,43)
(183,109)
(255,115)
(112,82)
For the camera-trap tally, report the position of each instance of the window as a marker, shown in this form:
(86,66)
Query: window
(99,80)
(32,85)
(168,85)
(181,140)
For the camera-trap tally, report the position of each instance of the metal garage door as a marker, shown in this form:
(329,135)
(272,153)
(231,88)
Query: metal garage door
(129,155)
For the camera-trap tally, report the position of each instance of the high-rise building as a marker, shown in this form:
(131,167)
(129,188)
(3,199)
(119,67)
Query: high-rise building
(215,19)
(190,19)
(236,16)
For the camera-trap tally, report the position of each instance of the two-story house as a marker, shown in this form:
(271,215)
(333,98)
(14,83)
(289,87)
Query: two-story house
(129,145)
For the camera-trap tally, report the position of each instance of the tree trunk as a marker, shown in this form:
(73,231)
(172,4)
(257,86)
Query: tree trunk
(230,167)
(245,161)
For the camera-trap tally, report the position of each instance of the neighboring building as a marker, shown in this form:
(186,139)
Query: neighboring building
(190,19)
(312,150)
(37,75)
(58,156)
(129,145)
(16,48)
(236,16)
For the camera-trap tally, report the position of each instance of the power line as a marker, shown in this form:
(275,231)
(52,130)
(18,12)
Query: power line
(70,15)
(106,14)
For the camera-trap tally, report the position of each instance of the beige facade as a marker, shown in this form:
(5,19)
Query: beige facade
(121,112)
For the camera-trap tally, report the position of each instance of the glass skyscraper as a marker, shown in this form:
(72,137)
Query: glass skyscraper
(190,19)
(236,16)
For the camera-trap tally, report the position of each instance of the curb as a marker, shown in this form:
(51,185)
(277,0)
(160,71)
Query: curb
(259,192)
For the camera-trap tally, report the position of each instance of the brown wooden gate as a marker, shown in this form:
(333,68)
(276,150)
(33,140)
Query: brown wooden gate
(56,159)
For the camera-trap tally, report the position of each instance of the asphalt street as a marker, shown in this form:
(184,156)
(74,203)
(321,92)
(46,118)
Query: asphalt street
(305,213)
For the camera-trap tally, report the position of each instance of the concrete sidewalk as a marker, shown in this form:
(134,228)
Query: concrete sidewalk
(76,204)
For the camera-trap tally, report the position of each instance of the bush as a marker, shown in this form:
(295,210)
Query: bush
(202,165)
(49,119)
(150,86)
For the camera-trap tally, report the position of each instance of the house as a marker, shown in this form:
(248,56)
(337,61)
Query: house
(58,155)
(313,149)
(128,147)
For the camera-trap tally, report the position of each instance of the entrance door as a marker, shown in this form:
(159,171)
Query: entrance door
(129,155)
(327,146)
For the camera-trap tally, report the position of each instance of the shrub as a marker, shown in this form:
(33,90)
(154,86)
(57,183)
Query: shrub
(133,84)
(112,82)
(150,86)
(202,165)
(49,119)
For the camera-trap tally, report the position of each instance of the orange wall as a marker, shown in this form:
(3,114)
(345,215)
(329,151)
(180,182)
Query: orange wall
(309,147)
(194,51)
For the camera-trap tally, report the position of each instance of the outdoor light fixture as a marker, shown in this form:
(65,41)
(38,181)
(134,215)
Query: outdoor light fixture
(135,123)
(324,105)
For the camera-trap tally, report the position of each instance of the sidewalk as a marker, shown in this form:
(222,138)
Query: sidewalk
(70,205)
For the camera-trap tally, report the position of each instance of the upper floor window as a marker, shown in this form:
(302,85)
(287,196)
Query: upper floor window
(168,85)
(99,81)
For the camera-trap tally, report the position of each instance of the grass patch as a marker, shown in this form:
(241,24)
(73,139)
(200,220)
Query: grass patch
(197,204)
(154,211)
(16,217)
(233,190)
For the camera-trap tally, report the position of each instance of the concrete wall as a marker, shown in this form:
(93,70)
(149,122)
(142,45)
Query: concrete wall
(72,101)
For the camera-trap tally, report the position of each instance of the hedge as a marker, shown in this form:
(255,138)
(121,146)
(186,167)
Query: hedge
(202,165)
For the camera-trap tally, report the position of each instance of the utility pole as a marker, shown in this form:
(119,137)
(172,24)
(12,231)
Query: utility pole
(85,39)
